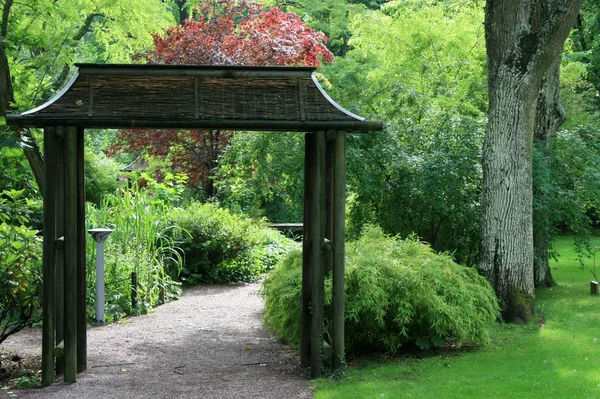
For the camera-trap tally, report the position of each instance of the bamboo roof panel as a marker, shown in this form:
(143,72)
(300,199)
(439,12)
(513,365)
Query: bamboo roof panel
(194,96)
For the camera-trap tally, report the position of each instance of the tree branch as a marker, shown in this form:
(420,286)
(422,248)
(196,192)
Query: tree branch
(86,26)
(4,26)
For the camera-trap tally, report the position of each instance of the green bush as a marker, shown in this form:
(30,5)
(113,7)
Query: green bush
(102,176)
(398,292)
(16,177)
(222,247)
(20,270)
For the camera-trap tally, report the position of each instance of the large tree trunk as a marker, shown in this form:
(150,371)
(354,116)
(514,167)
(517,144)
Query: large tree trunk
(550,115)
(7,98)
(523,37)
(6,90)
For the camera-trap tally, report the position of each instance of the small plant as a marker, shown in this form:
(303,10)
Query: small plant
(29,381)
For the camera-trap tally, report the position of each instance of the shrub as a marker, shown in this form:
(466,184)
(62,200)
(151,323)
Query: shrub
(16,177)
(20,271)
(398,292)
(222,247)
(102,176)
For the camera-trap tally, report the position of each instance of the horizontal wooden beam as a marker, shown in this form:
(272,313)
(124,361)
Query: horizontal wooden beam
(224,71)
(240,125)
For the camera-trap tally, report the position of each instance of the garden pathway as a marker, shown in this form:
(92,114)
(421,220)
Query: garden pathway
(208,344)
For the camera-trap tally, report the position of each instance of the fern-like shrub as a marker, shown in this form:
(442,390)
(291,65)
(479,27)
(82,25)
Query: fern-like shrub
(398,292)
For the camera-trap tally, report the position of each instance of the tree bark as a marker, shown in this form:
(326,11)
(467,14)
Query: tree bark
(184,11)
(7,98)
(549,116)
(523,37)
(6,89)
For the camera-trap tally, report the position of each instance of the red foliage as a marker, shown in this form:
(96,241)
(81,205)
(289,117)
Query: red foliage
(224,32)
(230,32)
(192,152)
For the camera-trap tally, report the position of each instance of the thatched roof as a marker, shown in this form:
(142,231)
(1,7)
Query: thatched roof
(194,96)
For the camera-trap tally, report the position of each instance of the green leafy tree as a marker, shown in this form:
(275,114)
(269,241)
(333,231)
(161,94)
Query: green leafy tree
(262,175)
(420,67)
(41,39)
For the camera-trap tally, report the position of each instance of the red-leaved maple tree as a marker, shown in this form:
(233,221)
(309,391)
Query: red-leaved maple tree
(222,32)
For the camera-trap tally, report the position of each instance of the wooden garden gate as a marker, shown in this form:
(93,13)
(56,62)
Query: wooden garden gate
(189,97)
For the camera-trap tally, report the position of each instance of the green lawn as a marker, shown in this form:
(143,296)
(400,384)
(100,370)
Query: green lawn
(556,359)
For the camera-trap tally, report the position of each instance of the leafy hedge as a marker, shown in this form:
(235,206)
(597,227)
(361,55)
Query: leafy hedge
(221,247)
(398,292)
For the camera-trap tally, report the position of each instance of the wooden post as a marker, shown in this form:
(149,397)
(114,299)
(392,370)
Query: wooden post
(161,295)
(81,261)
(71,257)
(339,235)
(330,137)
(309,165)
(315,254)
(48,295)
(59,183)
(134,294)
(329,196)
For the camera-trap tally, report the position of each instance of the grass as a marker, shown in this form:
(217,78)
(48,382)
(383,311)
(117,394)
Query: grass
(555,356)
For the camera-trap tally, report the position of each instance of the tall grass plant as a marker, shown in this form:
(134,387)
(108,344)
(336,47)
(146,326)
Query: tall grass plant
(139,244)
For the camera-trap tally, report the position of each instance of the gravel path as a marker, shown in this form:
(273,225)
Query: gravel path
(208,344)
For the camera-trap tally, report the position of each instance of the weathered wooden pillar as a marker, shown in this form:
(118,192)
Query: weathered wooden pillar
(48,295)
(59,249)
(338,238)
(306,296)
(81,264)
(312,259)
(329,205)
(309,144)
(71,256)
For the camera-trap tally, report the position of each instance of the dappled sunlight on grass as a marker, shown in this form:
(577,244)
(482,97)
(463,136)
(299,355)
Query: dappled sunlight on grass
(555,356)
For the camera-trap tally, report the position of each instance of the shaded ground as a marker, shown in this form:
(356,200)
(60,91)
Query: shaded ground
(208,344)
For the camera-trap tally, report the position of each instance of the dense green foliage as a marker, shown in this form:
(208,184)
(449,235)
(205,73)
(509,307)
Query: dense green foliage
(140,244)
(20,267)
(15,174)
(398,292)
(262,175)
(566,167)
(422,174)
(221,247)
(550,357)
(101,176)
(44,39)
